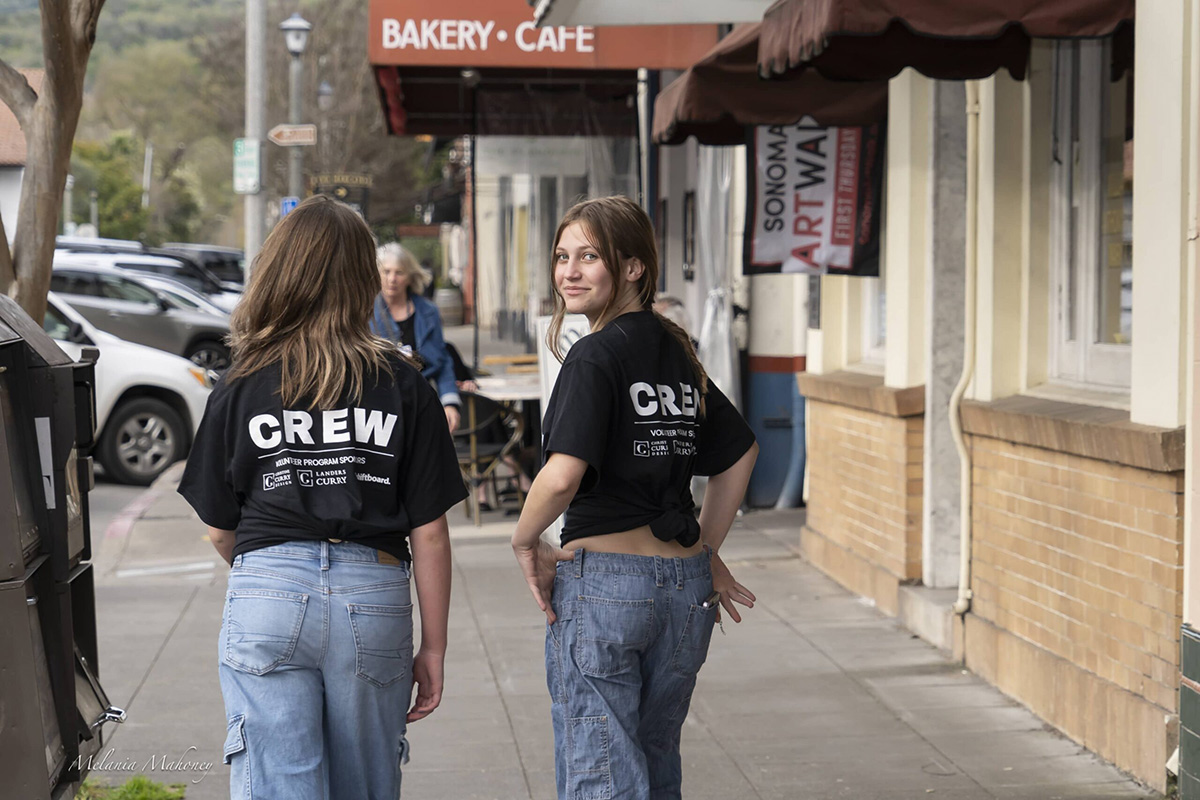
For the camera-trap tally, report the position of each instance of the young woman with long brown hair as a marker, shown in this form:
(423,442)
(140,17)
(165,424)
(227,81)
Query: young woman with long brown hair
(323,458)
(629,598)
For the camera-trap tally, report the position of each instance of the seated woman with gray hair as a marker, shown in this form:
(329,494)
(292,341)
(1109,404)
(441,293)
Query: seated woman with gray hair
(403,316)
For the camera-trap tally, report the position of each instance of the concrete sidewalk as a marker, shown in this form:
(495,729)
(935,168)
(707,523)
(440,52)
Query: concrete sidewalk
(815,695)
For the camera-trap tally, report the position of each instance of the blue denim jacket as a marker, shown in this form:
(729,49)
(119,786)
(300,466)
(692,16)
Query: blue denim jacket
(427,325)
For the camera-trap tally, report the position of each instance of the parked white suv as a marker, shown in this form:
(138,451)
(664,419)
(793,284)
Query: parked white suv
(148,403)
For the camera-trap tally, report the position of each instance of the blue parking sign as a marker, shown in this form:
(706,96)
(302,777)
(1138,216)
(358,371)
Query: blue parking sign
(286,204)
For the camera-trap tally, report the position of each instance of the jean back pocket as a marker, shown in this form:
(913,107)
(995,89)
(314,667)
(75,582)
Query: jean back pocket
(612,633)
(383,642)
(261,628)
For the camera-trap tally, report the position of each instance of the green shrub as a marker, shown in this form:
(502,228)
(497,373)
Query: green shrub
(138,787)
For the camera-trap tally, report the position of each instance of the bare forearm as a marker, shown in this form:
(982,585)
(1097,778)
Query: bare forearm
(551,493)
(722,498)
(542,506)
(431,571)
(224,542)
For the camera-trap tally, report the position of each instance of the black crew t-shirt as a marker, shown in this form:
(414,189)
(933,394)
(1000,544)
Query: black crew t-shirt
(366,472)
(627,402)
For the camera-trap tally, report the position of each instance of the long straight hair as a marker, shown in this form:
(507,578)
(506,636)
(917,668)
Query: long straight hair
(308,307)
(619,229)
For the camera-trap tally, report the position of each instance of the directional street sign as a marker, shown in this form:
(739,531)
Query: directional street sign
(286,204)
(293,135)
(246,171)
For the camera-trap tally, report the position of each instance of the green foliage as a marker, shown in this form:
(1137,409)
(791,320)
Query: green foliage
(138,787)
(123,24)
(108,169)
(172,72)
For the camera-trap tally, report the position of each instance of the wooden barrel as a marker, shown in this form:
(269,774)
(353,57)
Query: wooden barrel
(449,304)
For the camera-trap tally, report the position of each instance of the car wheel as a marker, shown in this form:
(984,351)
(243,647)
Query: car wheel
(209,354)
(141,439)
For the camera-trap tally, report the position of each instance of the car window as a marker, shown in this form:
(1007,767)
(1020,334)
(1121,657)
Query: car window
(172,270)
(180,300)
(55,324)
(77,283)
(121,289)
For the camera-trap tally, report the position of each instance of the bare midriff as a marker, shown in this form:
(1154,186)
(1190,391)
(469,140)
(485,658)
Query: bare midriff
(636,542)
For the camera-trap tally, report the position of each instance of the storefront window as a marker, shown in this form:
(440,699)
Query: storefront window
(1092,227)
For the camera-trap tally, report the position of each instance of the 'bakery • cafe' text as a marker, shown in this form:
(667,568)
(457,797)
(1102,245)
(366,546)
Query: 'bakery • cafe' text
(474,34)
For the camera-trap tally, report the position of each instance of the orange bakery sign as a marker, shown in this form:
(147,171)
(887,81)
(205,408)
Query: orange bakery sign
(501,33)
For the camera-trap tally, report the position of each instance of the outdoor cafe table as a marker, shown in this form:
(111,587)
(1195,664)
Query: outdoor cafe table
(510,388)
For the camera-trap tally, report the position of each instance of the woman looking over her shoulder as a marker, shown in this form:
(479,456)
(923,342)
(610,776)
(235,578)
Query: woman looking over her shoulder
(402,315)
(322,460)
(629,597)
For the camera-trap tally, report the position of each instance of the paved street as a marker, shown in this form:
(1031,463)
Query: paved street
(815,696)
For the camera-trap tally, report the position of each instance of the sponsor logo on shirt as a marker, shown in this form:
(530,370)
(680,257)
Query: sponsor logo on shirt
(273,480)
(641,449)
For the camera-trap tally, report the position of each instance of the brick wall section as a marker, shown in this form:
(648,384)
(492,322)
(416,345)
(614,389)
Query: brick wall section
(1082,558)
(865,490)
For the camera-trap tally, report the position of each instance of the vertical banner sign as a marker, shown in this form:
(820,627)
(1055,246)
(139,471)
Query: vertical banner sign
(815,199)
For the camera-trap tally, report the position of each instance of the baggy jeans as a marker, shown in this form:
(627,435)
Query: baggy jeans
(621,663)
(316,670)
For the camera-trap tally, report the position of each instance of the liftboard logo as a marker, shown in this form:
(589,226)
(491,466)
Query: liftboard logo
(474,34)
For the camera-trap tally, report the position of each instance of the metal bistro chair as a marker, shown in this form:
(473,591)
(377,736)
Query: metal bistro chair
(481,444)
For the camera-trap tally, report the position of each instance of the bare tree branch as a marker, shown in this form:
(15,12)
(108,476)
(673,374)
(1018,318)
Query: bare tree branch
(17,94)
(84,16)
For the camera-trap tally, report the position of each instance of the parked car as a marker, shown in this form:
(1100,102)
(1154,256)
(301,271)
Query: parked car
(148,403)
(89,244)
(116,302)
(176,267)
(227,263)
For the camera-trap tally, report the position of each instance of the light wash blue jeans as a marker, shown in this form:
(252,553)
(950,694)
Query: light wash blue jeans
(621,664)
(316,653)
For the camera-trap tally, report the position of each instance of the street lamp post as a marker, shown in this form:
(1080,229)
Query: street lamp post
(295,33)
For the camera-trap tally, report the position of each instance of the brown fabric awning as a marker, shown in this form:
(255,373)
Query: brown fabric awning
(439,101)
(721,94)
(949,39)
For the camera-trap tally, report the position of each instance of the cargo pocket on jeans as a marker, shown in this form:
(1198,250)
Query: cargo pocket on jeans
(235,745)
(610,634)
(692,650)
(383,639)
(261,628)
(589,773)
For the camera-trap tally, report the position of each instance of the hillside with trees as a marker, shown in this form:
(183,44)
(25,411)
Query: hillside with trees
(171,73)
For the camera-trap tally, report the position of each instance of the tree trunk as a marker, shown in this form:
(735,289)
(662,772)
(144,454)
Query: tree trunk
(49,122)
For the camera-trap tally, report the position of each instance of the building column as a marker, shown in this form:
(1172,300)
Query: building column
(1001,246)
(1166,224)
(489,247)
(944,329)
(1162,157)
(907,250)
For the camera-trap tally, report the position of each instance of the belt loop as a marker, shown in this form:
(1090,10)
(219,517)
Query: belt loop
(579,563)
(658,571)
(324,555)
(678,572)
